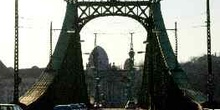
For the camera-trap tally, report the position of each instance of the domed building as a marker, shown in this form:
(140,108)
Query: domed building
(98,59)
(107,83)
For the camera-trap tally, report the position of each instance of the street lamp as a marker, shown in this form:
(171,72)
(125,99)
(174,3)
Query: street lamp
(176,39)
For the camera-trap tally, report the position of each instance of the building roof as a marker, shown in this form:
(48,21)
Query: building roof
(98,59)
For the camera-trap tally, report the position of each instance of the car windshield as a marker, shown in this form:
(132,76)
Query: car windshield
(62,108)
(6,107)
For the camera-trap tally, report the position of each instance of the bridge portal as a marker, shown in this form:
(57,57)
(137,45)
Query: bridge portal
(63,81)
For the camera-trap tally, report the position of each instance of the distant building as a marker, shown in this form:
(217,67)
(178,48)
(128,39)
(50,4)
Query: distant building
(112,81)
(98,59)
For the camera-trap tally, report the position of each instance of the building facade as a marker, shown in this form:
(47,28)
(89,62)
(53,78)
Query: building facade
(109,84)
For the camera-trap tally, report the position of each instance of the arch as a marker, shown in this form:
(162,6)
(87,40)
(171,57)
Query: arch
(140,20)
(138,10)
(114,35)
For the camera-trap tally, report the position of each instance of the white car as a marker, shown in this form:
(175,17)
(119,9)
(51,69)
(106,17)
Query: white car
(10,107)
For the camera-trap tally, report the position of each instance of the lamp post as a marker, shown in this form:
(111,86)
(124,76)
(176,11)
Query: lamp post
(17,79)
(51,41)
(97,77)
(210,90)
(131,70)
(176,42)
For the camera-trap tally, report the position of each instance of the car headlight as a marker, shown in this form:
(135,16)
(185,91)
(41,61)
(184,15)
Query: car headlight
(100,105)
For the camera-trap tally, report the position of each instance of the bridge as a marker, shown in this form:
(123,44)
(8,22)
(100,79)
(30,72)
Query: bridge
(164,82)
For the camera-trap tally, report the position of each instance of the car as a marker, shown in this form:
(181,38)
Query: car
(130,105)
(73,106)
(63,107)
(10,107)
(97,105)
(83,106)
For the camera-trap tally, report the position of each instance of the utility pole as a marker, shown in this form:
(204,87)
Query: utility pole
(131,53)
(131,69)
(176,42)
(95,41)
(51,42)
(97,77)
(17,79)
(210,91)
(51,34)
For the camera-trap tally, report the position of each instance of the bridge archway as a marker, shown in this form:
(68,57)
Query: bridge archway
(138,12)
(115,39)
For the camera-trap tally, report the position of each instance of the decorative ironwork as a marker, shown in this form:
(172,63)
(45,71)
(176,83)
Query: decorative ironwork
(135,9)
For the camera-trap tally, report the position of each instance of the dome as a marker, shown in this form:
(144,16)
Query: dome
(98,59)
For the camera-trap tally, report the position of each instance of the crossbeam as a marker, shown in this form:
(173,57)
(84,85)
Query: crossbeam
(87,10)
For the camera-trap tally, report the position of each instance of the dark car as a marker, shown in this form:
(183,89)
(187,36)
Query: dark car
(74,106)
(97,105)
(130,105)
(83,106)
(63,107)
(10,107)
(77,106)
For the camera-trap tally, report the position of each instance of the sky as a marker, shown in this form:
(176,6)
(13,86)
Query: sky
(113,33)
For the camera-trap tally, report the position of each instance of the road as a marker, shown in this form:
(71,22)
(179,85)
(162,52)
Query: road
(119,109)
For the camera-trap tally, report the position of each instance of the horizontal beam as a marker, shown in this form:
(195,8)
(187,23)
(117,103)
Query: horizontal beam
(116,3)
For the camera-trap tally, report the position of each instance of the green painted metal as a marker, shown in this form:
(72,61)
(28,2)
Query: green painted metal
(62,44)
(177,72)
(63,82)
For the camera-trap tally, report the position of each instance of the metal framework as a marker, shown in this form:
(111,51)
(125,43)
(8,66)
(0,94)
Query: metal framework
(135,9)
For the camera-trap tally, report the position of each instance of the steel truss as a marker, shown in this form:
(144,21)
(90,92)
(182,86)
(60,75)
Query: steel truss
(138,10)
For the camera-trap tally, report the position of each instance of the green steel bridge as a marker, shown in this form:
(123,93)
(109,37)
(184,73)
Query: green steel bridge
(164,82)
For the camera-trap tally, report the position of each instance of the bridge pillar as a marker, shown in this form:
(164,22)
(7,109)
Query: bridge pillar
(69,85)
